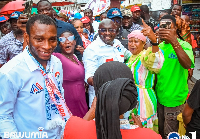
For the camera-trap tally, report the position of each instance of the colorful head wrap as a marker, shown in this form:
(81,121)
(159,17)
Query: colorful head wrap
(137,34)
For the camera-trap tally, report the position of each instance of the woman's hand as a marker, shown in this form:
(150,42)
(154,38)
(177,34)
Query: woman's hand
(90,115)
(179,22)
(147,31)
(136,120)
(80,49)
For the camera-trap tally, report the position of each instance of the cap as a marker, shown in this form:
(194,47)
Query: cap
(135,8)
(78,15)
(114,12)
(3,19)
(126,12)
(15,15)
(63,16)
(85,19)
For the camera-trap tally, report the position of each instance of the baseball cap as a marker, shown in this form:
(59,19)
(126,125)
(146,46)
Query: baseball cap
(135,8)
(85,19)
(15,15)
(78,15)
(3,19)
(126,12)
(63,15)
(114,12)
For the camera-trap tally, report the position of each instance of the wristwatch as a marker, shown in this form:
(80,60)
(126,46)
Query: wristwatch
(155,44)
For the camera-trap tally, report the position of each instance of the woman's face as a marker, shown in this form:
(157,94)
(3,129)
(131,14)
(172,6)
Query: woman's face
(87,26)
(67,46)
(135,45)
(79,27)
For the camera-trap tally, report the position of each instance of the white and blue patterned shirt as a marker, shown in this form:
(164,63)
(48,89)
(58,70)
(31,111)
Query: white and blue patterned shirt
(22,96)
(9,47)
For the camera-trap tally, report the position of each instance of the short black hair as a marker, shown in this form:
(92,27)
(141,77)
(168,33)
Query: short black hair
(169,17)
(87,9)
(42,1)
(74,20)
(103,13)
(144,8)
(163,11)
(177,5)
(40,18)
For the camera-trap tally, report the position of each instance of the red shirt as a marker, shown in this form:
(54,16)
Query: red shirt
(77,128)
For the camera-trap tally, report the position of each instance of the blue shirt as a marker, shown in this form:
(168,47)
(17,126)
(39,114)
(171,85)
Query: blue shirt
(61,28)
(22,97)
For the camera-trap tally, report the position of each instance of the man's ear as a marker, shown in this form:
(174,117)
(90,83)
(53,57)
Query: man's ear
(26,38)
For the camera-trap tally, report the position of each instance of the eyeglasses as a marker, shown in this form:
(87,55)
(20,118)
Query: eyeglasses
(116,20)
(104,30)
(63,39)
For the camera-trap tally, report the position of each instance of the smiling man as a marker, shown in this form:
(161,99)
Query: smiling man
(104,49)
(31,85)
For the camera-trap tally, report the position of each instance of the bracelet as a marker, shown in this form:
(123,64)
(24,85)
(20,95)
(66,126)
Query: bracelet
(176,45)
(155,44)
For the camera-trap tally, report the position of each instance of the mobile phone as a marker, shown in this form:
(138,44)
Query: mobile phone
(28,8)
(165,24)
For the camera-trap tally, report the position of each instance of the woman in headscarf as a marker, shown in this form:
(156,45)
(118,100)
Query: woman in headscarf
(143,64)
(116,94)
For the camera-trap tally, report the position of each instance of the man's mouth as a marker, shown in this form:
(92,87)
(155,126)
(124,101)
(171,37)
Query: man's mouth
(45,52)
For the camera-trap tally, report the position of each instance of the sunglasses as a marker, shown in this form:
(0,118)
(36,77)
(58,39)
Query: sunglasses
(104,30)
(63,39)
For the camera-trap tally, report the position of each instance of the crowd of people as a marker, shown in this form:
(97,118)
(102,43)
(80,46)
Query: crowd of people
(123,77)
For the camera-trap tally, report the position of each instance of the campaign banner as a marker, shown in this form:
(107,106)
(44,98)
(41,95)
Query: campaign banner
(98,6)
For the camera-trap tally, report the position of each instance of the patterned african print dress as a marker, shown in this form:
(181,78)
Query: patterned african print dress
(143,67)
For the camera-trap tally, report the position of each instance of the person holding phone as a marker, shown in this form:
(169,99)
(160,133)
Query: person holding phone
(172,88)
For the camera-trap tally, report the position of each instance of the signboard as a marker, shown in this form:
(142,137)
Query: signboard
(98,6)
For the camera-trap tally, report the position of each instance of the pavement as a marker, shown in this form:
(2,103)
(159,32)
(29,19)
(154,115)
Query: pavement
(196,73)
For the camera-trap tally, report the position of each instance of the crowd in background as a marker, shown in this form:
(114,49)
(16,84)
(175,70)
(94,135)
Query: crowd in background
(129,72)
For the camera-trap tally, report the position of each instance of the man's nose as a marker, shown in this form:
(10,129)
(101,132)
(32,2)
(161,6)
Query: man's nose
(47,45)
(107,32)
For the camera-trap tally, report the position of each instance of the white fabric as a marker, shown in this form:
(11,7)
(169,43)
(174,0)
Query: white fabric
(95,25)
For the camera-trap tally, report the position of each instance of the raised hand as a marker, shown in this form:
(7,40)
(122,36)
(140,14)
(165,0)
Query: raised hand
(147,31)
(179,22)
(21,22)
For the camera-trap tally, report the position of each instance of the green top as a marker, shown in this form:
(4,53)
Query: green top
(172,87)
